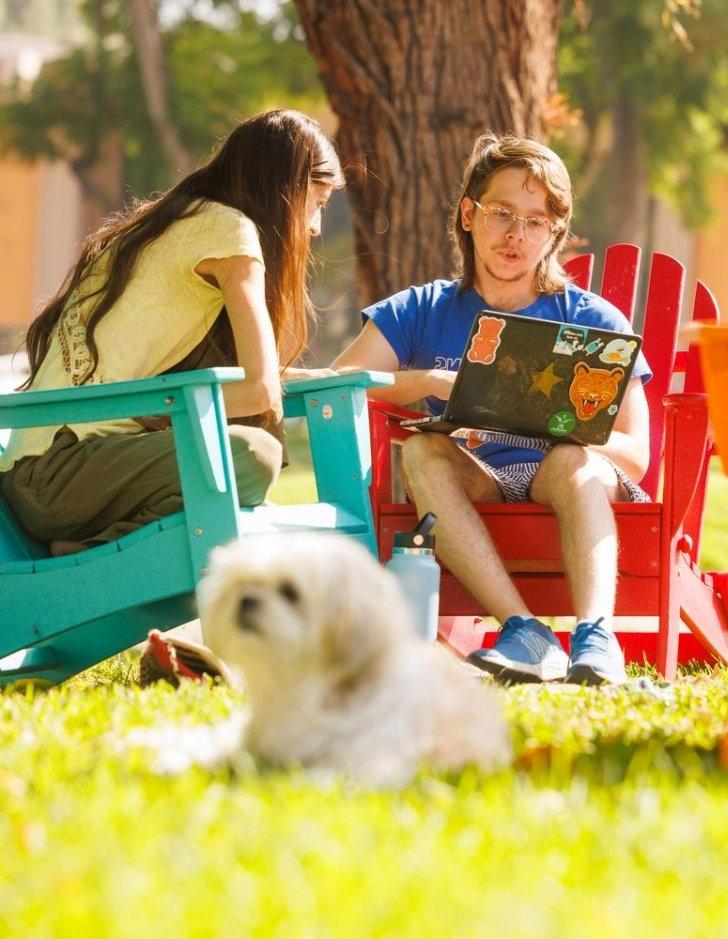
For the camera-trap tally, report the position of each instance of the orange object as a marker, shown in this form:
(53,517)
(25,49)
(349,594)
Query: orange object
(714,361)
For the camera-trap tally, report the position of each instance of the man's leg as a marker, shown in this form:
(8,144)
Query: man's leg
(444,479)
(579,486)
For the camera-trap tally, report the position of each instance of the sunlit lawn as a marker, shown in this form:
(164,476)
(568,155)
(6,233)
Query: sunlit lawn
(614,821)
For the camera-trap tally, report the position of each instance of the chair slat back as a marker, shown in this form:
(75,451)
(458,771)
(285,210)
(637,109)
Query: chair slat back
(15,545)
(705,309)
(620,277)
(659,330)
(660,334)
(580,270)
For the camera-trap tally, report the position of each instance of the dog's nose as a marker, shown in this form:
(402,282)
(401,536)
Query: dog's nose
(246,610)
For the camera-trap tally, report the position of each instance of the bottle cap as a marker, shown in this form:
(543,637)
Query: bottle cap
(420,536)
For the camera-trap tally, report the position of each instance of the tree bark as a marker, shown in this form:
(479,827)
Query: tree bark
(628,177)
(148,41)
(413,83)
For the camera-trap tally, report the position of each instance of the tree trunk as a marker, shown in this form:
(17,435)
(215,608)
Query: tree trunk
(629,177)
(148,41)
(413,83)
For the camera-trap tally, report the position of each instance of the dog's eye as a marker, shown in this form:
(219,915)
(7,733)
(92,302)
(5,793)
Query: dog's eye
(288,591)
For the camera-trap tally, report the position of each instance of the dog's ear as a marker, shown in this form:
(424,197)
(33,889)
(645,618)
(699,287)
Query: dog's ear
(366,617)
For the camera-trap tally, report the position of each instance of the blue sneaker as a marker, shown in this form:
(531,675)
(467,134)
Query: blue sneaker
(596,658)
(525,651)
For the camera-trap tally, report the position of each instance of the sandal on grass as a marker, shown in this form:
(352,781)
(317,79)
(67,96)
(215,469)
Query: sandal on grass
(171,659)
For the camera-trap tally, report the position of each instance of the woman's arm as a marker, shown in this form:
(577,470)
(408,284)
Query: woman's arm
(370,350)
(629,443)
(242,283)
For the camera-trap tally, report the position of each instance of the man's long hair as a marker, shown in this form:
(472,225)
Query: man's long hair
(492,153)
(264,169)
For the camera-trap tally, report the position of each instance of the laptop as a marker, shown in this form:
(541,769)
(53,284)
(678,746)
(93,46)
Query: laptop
(540,378)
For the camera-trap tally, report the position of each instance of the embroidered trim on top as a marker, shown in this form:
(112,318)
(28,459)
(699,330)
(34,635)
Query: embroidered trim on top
(72,337)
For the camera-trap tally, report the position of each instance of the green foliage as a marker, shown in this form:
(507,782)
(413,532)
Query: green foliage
(217,76)
(221,75)
(714,551)
(669,62)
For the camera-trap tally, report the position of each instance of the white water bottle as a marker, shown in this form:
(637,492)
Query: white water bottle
(414,565)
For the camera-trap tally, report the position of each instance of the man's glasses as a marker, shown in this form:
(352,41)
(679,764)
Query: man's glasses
(536,229)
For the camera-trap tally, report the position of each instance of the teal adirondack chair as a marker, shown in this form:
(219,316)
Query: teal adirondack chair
(61,615)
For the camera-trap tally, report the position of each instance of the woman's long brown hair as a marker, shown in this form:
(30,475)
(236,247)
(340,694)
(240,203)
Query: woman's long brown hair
(264,169)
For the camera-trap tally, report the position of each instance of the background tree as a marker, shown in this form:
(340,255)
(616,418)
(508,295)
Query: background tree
(650,82)
(155,81)
(201,76)
(412,85)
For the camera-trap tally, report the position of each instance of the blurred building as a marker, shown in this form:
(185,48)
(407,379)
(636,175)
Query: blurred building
(40,203)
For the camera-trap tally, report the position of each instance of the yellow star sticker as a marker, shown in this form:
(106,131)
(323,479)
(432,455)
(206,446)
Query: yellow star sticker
(544,381)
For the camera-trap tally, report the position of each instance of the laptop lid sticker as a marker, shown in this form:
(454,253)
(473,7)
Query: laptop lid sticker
(544,381)
(618,352)
(593,389)
(485,342)
(570,339)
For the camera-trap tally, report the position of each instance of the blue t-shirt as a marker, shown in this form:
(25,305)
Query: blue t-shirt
(428,327)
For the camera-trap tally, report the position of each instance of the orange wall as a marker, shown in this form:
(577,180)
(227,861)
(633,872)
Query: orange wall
(19,211)
(711,248)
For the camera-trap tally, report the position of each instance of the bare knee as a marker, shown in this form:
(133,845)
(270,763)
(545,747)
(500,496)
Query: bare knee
(423,454)
(566,470)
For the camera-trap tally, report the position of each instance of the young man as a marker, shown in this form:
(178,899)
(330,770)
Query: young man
(510,221)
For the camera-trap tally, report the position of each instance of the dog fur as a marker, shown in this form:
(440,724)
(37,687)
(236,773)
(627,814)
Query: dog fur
(338,680)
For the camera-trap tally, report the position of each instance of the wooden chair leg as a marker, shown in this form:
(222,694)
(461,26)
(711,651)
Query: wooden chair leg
(668,635)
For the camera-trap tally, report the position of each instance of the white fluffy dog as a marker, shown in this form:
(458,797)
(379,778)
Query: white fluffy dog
(338,680)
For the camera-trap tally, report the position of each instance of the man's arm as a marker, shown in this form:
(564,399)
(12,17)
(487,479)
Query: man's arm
(629,443)
(370,350)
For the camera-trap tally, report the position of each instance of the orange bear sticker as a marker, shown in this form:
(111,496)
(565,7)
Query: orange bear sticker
(593,389)
(485,342)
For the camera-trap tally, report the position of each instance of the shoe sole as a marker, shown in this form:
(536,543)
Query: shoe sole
(586,675)
(512,673)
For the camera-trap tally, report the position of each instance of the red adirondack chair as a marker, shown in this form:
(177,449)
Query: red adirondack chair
(659,541)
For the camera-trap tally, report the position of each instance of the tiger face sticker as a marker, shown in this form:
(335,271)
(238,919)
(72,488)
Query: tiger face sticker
(593,389)
(485,342)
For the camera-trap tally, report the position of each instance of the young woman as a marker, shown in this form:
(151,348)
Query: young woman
(213,272)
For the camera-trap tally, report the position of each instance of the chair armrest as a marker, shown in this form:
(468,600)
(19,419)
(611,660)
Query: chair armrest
(294,391)
(163,394)
(393,411)
(386,436)
(686,451)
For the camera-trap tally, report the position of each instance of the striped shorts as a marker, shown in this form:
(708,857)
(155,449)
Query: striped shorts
(514,480)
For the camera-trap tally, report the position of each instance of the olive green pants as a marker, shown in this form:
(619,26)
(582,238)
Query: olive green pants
(100,488)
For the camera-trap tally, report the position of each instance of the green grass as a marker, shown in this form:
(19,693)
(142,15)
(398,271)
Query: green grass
(612,823)
(714,549)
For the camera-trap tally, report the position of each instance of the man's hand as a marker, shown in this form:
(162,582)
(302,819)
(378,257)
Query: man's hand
(441,382)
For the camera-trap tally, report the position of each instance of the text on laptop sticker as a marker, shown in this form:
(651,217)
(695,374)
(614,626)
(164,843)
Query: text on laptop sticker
(593,389)
(570,339)
(484,344)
